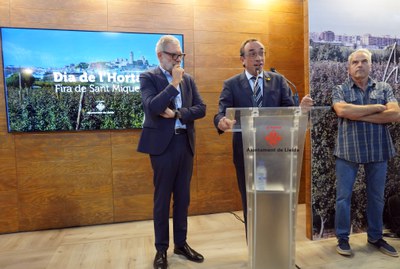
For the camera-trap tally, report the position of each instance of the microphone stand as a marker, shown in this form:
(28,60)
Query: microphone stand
(295,94)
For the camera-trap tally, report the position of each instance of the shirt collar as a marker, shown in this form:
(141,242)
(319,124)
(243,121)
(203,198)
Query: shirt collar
(166,73)
(350,82)
(249,76)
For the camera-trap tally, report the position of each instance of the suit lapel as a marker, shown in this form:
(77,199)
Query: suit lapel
(162,82)
(183,88)
(161,78)
(266,87)
(246,88)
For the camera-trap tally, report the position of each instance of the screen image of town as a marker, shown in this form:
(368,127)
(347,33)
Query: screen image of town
(62,80)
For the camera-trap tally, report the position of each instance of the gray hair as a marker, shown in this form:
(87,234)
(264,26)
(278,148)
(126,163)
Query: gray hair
(363,51)
(165,41)
(245,43)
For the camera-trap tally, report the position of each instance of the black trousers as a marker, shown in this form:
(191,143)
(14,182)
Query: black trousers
(172,174)
(241,180)
(238,160)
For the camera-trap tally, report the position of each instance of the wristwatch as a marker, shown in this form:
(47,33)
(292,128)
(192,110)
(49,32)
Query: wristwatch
(177,114)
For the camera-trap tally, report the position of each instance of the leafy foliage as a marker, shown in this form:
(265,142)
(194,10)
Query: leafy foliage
(42,108)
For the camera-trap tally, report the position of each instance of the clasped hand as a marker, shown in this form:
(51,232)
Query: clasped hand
(177,75)
(225,124)
(168,113)
(307,101)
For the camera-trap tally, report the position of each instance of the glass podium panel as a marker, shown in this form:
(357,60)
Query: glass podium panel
(273,144)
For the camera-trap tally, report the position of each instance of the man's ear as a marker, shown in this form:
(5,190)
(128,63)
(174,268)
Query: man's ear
(242,59)
(159,54)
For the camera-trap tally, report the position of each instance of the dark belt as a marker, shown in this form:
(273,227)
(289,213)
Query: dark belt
(180,131)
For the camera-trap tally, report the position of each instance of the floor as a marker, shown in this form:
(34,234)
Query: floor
(219,237)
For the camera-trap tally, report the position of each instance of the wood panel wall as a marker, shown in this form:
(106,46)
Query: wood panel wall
(63,179)
(306,181)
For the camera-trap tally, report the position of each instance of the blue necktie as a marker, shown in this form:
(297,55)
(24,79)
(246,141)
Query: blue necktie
(257,92)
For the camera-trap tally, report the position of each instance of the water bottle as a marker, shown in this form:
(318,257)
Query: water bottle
(261,177)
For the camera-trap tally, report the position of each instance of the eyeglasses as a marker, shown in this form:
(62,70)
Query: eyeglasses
(254,54)
(174,56)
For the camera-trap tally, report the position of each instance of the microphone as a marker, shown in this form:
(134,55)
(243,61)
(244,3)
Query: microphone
(295,94)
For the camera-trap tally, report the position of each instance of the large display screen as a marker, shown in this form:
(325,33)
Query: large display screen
(61,80)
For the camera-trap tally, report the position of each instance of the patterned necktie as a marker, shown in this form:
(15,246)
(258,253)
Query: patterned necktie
(257,92)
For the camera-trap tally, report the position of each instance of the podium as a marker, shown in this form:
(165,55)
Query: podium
(273,143)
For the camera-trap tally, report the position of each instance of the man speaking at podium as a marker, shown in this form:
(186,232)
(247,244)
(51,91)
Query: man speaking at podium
(252,88)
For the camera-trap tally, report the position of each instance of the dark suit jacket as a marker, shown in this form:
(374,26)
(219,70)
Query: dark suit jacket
(157,95)
(237,92)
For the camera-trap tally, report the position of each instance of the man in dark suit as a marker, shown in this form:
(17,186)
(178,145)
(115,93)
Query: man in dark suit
(240,91)
(171,104)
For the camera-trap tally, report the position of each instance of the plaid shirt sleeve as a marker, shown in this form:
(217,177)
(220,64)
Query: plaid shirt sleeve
(337,95)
